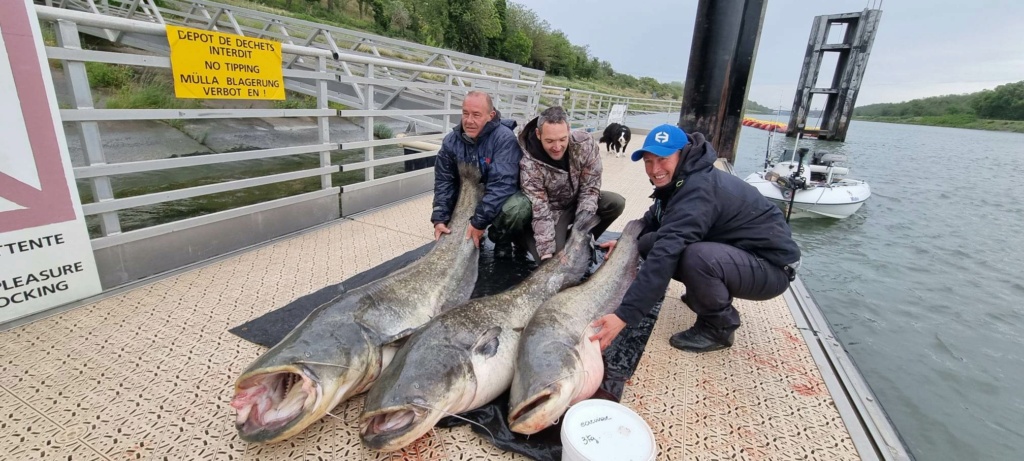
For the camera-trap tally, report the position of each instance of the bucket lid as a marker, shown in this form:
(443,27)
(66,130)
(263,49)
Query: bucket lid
(603,430)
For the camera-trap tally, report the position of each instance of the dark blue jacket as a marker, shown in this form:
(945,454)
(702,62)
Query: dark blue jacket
(704,204)
(496,151)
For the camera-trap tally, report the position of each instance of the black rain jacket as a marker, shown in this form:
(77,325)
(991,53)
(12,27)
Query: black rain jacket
(704,204)
(496,150)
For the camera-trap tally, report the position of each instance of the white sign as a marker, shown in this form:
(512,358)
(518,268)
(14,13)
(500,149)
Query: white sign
(45,255)
(617,114)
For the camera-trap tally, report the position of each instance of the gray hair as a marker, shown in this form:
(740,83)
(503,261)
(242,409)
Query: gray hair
(487,97)
(553,114)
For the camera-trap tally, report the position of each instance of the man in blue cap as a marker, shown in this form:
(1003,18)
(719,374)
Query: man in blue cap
(711,231)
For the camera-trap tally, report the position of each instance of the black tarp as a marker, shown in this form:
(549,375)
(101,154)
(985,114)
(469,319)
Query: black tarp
(495,276)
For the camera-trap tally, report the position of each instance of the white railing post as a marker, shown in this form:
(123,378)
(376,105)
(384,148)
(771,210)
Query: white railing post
(369,120)
(447,119)
(78,84)
(323,122)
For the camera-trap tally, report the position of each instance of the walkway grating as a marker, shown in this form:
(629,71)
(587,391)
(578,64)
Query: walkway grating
(148,373)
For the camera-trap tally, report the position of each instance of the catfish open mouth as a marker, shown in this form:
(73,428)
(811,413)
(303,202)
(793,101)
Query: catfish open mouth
(540,412)
(389,421)
(268,403)
(526,408)
(390,429)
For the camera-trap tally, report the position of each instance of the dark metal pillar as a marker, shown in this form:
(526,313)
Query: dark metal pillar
(725,38)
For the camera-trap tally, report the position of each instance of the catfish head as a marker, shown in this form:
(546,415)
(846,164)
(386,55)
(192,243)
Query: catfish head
(556,379)
(302,378)
(433,376)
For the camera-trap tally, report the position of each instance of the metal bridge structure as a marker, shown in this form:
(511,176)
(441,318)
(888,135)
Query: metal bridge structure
(350,79)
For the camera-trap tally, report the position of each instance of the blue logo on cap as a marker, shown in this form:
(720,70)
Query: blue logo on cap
(663,140)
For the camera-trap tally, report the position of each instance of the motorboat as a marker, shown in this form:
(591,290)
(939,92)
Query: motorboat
(809,185)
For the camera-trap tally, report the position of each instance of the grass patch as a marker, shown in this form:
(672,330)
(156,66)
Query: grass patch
(113,76)
(153,95)
(296,101)
(598,87)
(49,33)
(382,131)
(148,89)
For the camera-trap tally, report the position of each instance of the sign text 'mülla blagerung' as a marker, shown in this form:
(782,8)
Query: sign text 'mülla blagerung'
(214,65)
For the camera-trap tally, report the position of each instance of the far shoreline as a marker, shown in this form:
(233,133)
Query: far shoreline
(1012,126)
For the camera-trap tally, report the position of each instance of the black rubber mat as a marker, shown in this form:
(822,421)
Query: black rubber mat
(495,276)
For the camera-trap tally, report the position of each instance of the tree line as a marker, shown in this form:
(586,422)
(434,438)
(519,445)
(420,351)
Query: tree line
(496,29)
(1005,102)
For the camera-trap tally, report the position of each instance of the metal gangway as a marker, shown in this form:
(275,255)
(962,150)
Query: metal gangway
(366,85)
(354,79)
(352,53)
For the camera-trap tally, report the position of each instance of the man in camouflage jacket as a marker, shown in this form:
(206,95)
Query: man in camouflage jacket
(560,173)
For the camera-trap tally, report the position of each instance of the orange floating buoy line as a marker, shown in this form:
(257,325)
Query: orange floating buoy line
(764,124)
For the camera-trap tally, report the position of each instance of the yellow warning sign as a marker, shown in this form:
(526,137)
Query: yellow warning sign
(213,65)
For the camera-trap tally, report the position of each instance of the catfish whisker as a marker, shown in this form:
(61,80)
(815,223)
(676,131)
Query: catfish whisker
(585,372)
(453,415)
(336,417)
(440,440)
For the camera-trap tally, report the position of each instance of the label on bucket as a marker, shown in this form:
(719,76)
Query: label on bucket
(597,430)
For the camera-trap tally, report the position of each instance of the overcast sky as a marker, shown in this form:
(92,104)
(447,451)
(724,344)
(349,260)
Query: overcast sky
(923,47)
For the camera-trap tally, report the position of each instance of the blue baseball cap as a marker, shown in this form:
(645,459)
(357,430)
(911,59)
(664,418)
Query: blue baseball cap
(663,140)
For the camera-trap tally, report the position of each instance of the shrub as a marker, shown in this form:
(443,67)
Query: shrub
(382,131)
(112,76)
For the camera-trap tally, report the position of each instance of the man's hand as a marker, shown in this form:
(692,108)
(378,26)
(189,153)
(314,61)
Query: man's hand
(608,327)
(474,234)
(440,228)
(609,245)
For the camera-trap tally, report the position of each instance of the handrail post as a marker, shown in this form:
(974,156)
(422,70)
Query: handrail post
(323,122)
(447,105)
(369,120)
(572,100)
(78,85)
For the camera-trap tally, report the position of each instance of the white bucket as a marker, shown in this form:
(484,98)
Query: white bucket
(600,430)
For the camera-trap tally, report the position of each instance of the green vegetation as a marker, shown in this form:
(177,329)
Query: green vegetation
(954,121)
(296,101)
(999,109)
(382,131)
(49,35)
(147,91)
(102,75)
(496,29)
(755,108)
(492,28)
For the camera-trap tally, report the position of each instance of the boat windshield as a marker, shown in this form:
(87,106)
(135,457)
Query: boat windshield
(789,155)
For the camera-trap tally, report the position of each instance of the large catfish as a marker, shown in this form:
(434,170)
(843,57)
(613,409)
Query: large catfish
(341,347)
(557,365)
(464,358)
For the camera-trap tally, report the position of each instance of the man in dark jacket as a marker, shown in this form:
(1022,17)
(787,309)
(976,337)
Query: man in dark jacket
(486,140)
(709,230)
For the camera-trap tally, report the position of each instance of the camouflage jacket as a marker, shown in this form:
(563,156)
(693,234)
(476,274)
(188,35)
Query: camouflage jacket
(552,190)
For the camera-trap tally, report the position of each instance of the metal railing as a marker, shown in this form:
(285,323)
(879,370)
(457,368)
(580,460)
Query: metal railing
(590,109)
(321,81)
(357,80)
(435,64)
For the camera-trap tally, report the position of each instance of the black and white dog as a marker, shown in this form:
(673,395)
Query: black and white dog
(616,138)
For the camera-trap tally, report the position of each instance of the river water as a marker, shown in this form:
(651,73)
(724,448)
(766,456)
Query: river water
(923,285)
